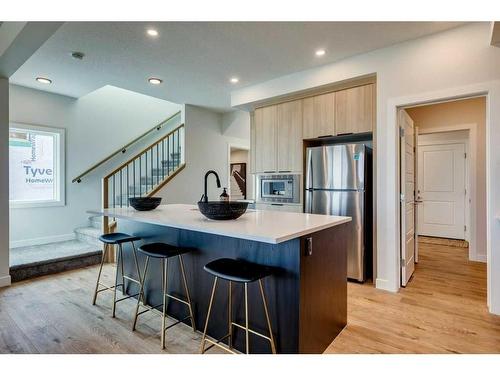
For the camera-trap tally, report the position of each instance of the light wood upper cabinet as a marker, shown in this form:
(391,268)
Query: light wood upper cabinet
(355,109)
(290,136)
(252,143)
(318,115)
(266,126)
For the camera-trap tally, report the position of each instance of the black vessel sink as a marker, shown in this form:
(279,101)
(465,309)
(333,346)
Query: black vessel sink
(145,203)
(222,210)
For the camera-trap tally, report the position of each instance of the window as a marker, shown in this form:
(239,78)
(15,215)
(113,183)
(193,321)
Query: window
(36,166)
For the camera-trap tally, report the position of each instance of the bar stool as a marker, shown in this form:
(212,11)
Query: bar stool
(164,252)
(109,240)
(242,272)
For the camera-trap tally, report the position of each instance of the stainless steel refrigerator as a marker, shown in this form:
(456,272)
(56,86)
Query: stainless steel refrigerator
(338,182)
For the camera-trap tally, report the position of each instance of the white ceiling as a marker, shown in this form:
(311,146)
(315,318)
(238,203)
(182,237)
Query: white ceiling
(196,60)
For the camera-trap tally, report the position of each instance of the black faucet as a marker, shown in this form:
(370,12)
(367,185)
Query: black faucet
(204,198)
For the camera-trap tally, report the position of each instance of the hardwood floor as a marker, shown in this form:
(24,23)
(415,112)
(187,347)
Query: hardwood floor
(443,310)
(54,314)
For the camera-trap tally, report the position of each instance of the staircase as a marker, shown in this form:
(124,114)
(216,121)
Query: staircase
(147,172)
(237,185)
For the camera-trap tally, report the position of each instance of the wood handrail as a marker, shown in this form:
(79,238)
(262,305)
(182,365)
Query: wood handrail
(124,148)
(139,154)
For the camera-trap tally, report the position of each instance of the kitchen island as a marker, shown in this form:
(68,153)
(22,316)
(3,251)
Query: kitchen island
(307,293)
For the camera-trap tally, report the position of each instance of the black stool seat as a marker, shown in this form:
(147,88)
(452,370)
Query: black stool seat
(117,238)
(162,250)
(237,270)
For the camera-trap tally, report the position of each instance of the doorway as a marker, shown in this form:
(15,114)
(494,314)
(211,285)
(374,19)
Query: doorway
(443,183)
(238,174)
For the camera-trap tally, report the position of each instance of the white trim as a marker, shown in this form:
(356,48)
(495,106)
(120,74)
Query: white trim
(471,203)
(59,168)
(385,285)
(5,281)
(42,240)
(389,240)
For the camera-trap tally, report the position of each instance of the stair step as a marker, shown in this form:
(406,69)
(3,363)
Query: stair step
(89,235)
(96,222)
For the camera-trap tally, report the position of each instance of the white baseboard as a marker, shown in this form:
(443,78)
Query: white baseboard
(42,240)
(480,258)
(5,281)
(385,285)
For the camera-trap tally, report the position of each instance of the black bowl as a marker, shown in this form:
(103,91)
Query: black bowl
(222,210)
(144,203)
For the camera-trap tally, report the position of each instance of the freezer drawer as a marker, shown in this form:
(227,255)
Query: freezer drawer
(344,203)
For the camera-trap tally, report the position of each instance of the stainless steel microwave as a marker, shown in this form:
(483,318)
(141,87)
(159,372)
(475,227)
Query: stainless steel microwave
(279,188)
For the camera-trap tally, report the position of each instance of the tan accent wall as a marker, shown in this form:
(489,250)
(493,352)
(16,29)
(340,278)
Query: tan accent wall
(467,111)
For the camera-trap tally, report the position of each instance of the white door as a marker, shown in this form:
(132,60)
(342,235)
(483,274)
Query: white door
(441,187)
(407,188)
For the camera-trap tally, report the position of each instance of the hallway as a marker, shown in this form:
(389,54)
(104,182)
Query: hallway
(442,310)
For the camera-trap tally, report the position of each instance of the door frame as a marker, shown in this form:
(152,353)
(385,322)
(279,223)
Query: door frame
(243,147)
(470,181)
(389,235)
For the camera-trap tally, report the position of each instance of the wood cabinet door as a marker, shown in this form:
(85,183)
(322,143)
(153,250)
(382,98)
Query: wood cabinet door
(290,137)
(319,115)
(266,119)
(355,110)
(252,143)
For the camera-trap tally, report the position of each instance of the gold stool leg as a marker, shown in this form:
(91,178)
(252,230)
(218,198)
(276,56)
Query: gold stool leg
(246,320)
(164,263)
(120,249)
(141,293)
(202,349)
(116,283)
(181,262)
(273,347)
(134,251)
(104,253)
(230,317)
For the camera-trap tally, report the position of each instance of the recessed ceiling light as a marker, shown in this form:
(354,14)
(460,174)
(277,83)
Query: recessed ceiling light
(43,80)
(320,52)
(152,32)
(155,81)
(234,80)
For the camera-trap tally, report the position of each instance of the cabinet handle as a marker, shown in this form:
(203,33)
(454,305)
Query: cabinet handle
(284,171)
(276,204)
(341,134)
(269,171)
(326,136)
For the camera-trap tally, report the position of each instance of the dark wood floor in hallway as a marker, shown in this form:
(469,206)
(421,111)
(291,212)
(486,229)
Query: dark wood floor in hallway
(443,310)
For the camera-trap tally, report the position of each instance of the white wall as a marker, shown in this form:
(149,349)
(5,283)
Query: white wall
(206,148)
(96,125)
(4,182)
(436,66)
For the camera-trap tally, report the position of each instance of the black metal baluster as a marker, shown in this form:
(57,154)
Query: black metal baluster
(178,149)
(121,189)
(157,165)
(163,159)
(140,176)
(146,168)
(152,165)
(168,155)
(114,194)
(127,184)
(133,175)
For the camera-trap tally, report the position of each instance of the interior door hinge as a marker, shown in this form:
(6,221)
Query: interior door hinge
(402,262)
(465,155)
(402,197)
(465,228)
(401,132)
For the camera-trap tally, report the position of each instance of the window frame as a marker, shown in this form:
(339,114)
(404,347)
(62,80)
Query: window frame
(59,166)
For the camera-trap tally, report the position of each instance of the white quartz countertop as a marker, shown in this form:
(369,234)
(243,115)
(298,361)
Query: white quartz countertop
(256,225)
